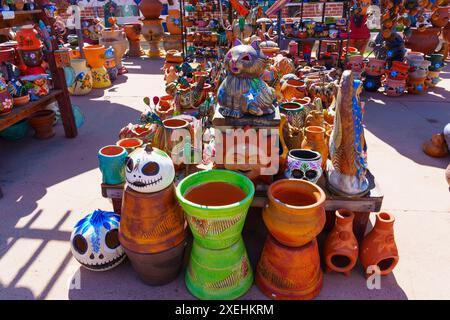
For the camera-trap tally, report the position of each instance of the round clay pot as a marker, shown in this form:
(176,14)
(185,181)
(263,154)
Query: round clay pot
(436,147)
(216,226)
(151,222)
(151,9)
(315,140)
(295,213)
(27,38)
(130,144)
(378,247)
(414,57)
(289,273)
(157,269)
(440,17)
(303,164)
(293,89)
(394,88)
(20,101)
(355,63)
(417,85)
(42,122)
(398,71)
(112,164)
(341,247)
(424,41)
(375,67)
(95,55)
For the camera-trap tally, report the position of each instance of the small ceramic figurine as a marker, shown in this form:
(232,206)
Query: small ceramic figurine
(95,241)
(243,91)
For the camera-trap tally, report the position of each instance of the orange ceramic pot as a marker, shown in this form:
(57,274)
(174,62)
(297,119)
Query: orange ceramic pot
(27,38)
(399,71)
(171,19)
(293,89)
(341,247)
(436,146)
(375,67)
(95,55)
(425,40)
(378,247)
(315,140)
(287,273)
(151,222)
(151,9)
(417,85)
(440,17)
(165,108)
(295,214)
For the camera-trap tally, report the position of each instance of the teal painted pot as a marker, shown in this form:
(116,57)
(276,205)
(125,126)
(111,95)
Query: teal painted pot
(219,274)
(216,227)
(16,131)
(112,164)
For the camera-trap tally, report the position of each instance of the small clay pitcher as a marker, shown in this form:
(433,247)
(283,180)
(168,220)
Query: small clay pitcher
(293,89)
(378,247)
(289,273)
(295,212)
(315,140)
(341,247)
(42,123)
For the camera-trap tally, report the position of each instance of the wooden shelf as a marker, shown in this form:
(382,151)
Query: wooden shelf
(315,39)
(20,18)
(22,112)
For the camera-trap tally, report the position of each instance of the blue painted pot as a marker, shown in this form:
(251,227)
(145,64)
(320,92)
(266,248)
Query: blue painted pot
(112,164)
(16,131)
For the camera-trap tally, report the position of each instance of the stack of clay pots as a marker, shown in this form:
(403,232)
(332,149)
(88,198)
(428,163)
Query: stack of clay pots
(152,227)
(219,267)
(289,266)
(435,68)
(172,39)
(30,49)
(133,33)
(373,72)
(418,70)
(396,76)
(152,29)
(95,57)
(115,37)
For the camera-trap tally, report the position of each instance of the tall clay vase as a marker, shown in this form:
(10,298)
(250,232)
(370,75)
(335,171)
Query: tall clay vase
(152,233)
(216,227)
(378,247)
(424,41)
(81,82)
(295,213)
(151,9)
(112,164)
(95,56)
(341,247)
(219,274)
(347,171)
(289,273)
(116,39)
(133,33)
(42,123)
(153,32)
(315,140)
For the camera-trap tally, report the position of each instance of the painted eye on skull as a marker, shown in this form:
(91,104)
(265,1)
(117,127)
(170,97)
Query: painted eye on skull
(129,164)
(311,174)
(112,239)
(80,244)
(297,174)
(150,168)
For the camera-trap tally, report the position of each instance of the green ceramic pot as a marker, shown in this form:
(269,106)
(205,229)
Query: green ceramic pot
(216,227)
(219,274)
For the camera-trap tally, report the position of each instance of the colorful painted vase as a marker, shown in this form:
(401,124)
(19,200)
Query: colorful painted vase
(417,85)
(293,130)
(378,247)
(153,32)
(216,227)
(173,21)
(32,57)
(394,88)
(414,57)
(27,38)
(315,140)
(40,87)
(341,247)
(375,67)
(303,164)
(289,273)
(112,164)
(295,213)
(219,274)
(95,56)
(62,57)
(110,64)
(80,82)
(133,34)
(372,83)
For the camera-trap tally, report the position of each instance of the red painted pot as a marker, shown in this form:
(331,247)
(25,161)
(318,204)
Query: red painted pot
(27,38)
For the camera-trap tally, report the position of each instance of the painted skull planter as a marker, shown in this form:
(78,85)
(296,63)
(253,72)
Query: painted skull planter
(304,164)
(95,242)
(417,85)
(398,71)
(375,67)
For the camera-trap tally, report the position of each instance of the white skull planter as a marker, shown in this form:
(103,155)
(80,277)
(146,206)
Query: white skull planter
(149,170)
(95,241)
(303,164)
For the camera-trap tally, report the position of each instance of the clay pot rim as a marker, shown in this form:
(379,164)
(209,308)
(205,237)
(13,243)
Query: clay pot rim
(42,114)
(92,47)
(314,129)
(166,123)
(317,155)
(318,202)
(298,106)
(113,147)
(137,140)
(223,173)
(166,97)
(304,101)
(385,217)
(345,214)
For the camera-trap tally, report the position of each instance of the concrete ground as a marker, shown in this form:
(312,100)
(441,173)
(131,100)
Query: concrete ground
(49,185)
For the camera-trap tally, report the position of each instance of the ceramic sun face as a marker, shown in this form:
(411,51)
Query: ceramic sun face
(149,170)
(95,241)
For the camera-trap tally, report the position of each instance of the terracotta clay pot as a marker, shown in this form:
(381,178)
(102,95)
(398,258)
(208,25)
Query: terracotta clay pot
(159,268)
(293,131)
(424,41)
(42,123)
(436,146)
(151,9)
(295,213)
(95,55)
(27,38)
(375,67)
(130,144)
(293,89)
(394,88)
(165,108)
(133,34)
(378,247)
(417,85)
(440,17)
(315,140)
(219,273)
(151,222)
(20,101)
(341,247)
(289,273)
(398,71)
(315,118)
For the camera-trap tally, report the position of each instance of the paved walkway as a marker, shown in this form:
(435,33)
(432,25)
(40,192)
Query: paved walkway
(49,185)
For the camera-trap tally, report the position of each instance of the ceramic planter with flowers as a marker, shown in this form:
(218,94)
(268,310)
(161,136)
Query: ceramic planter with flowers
(374,67)
(419,69)
(37,84)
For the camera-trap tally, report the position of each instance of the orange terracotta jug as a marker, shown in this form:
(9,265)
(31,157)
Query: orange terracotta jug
(293,89)
(289,273)
(315,140)
(341,247)
(295,214)
(378,247)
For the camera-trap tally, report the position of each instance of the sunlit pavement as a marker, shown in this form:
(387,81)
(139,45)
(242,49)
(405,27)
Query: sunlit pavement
(49,185)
